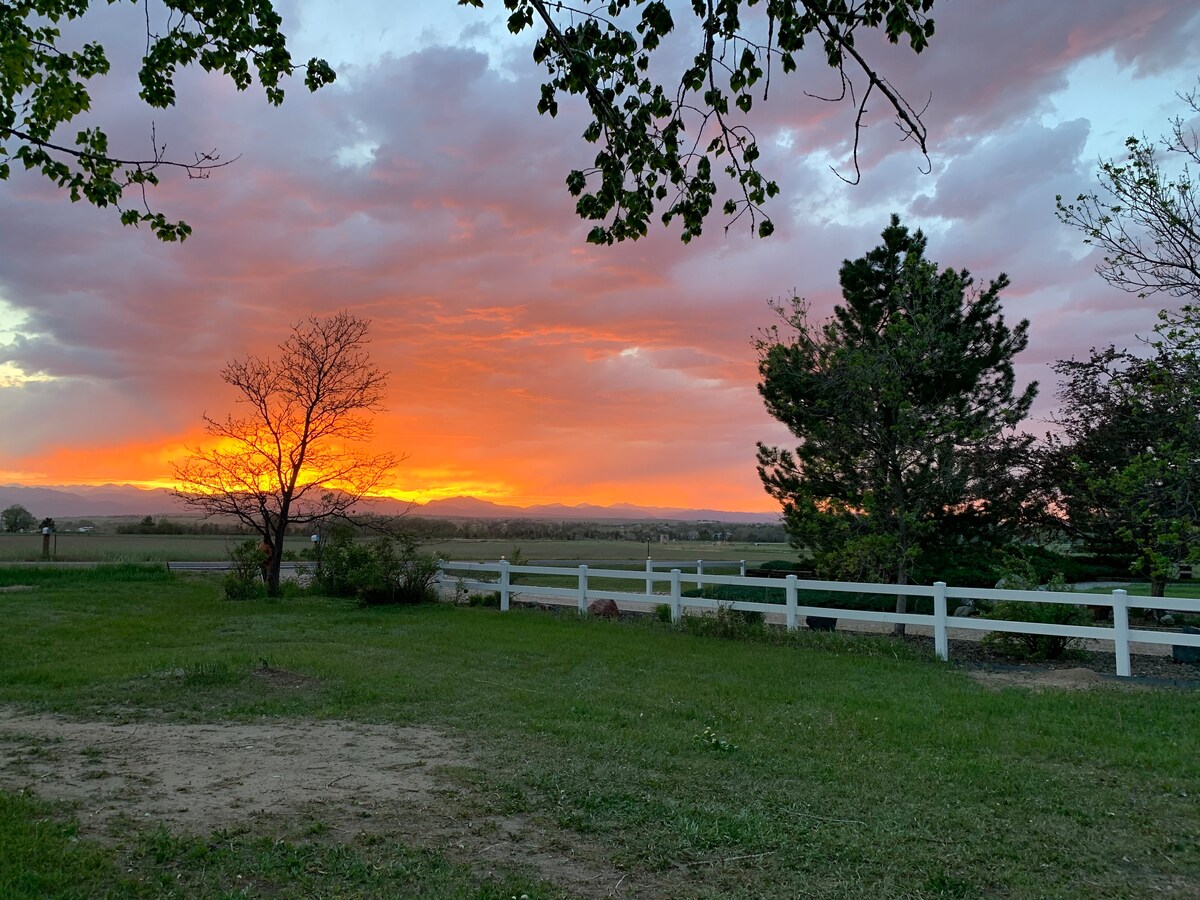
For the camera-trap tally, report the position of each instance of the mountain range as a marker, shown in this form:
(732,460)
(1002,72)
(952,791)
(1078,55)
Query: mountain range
(77,501)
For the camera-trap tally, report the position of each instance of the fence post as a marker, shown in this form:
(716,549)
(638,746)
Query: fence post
(743,572)
(676,597)
(941,643)
(699,572)
(1121,631)
(504,584)
(649,579)
(791,602)
(583,590)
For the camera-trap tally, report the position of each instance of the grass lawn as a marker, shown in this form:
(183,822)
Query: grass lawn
(701,767)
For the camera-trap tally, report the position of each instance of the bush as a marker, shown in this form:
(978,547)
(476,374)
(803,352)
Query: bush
(245,582)
(662,612)
(387,571)
(1023,577)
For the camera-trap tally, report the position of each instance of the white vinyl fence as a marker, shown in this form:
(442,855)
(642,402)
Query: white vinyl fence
(1119,633)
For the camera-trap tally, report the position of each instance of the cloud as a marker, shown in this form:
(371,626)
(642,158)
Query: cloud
(424,192)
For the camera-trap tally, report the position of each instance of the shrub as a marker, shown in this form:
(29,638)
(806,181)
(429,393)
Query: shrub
(662,612)
(387,571)
(244,581)
(1022,576)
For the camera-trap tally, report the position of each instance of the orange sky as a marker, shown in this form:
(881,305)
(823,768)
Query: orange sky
(423,192)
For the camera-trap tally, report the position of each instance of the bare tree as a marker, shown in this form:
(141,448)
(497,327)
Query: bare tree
(300,452)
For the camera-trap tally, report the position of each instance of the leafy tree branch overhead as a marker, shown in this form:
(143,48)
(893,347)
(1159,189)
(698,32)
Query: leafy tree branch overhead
(662,143)
(660,140)
(1145,216)
(44,86)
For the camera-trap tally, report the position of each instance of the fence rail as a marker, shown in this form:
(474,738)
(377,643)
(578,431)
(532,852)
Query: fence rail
(1120,634)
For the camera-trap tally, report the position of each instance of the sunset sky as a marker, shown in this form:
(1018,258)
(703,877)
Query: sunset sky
(424,192)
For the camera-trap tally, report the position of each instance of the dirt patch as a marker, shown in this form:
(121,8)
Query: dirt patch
(1076,679)
(289,779)
(283,677)
(204,777)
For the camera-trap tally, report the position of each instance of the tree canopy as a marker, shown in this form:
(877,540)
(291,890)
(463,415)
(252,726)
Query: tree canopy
(301,453)
(662,141)
(44,86)
(659,140)
(1123,472)
(1145,216)
(17,518)
(903,403)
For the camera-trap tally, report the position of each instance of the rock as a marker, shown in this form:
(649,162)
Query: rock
(1186,654)
(965,612)
(604,609)
(1166,619)
(821,623)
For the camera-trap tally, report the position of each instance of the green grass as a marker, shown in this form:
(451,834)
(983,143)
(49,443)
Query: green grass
(1190,589)
(95,547)
(852,770)
(44,857)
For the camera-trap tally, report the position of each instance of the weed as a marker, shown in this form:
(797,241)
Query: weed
(712,741)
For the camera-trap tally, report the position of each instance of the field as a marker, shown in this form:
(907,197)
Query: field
(97,547)
(156,740)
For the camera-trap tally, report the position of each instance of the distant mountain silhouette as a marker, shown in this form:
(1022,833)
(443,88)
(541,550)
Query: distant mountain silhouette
(77,500)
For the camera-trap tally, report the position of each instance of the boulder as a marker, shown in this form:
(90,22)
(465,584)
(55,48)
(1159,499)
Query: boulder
(964,612)
(604,609)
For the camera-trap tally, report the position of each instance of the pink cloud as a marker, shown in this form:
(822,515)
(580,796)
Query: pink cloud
(504,331)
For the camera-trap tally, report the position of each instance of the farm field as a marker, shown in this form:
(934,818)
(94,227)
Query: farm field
(116,548)
(634,551)
(459,752)
(96,547)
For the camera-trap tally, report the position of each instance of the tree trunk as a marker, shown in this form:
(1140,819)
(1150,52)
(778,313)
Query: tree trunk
(272,564)
(1158,586)
(901,600)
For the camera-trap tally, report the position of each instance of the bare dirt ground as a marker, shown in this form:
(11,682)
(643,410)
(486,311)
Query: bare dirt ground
(1076,679)
(290,779)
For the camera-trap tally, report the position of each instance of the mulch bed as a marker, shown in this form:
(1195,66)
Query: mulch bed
(972,655)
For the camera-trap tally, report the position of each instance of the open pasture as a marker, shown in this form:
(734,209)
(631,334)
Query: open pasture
(104,547)
(93,546)
(491,550)
(309,747)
